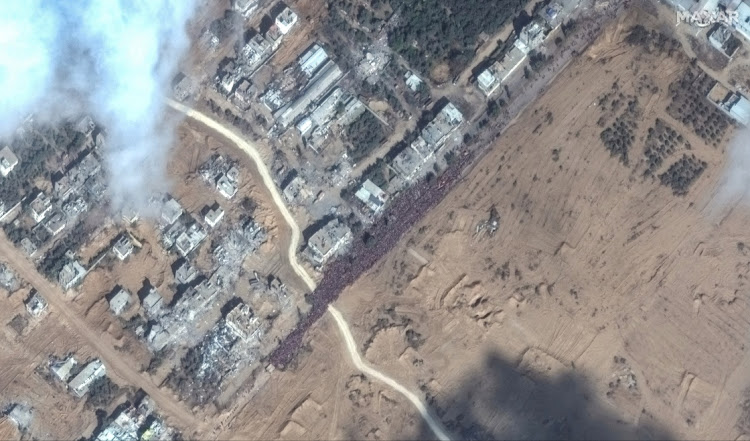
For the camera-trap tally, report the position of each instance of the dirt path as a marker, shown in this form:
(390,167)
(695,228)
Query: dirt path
(368,370)
(265,175)
(343,326)
(117,363)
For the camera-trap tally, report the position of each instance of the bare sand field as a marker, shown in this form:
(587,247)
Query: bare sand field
(607,304)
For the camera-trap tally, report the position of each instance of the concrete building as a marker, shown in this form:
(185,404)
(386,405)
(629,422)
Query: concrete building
(243,94)
(153,303)
(320,83)
(304,125)
(120,301)
(742,24)
(372,196)
(8,161)
(123,247)
(286,20)
(189,239)
(245,7)
(226,187)
(312,59)
(731,103)
(326,110)
(40,207)
(241,322)
(61,369)
(509,63)
(28,246)
(35,304)
(182,87)
(171,211)
(71,274)
(55,223)
(413,82)
(488,81)
(79,385)
(722,39)
(447,120)
(327,241)
(408,163)
(531,36)
(214,216)
(185,273)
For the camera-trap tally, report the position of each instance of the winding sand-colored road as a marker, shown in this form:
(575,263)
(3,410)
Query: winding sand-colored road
(343,326)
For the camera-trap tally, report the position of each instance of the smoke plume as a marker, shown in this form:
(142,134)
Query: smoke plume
(112,59)
(734,187)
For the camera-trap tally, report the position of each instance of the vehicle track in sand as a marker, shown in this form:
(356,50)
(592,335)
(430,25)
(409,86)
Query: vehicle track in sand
(341,323)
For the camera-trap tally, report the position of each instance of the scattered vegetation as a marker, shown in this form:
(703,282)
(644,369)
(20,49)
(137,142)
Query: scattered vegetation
(364,134)
(102,391)
(690,106)
(55,258)
(661,142)
(653,42)
(681,175)
(431,32)
(619,136)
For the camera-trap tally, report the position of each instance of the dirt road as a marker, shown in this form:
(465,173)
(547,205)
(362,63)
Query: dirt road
(251,151)
(116,362)
(343,326)
(366,369)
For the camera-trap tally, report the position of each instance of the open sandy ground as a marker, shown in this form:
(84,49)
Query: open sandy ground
(604,306)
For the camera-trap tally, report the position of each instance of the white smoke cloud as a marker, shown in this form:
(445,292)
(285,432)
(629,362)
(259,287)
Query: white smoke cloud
(734,187)
(113,59)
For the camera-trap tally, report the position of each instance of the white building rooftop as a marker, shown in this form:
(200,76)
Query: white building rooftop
(8,161)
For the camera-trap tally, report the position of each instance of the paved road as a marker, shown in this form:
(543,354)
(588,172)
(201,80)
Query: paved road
(343,326)
(116,362)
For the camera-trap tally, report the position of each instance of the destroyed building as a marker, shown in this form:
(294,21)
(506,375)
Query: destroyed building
(328,241)
(21,415)
(185,273)
(233,247)
(8,279)
(136,422)
(722,39)
(189,239)
(40,206)
(182,87)
(233,343)
(177,323)
(437,130)
(731,103)
(35,304)
(71,274)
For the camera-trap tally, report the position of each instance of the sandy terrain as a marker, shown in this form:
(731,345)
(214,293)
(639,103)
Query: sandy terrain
(604,306)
